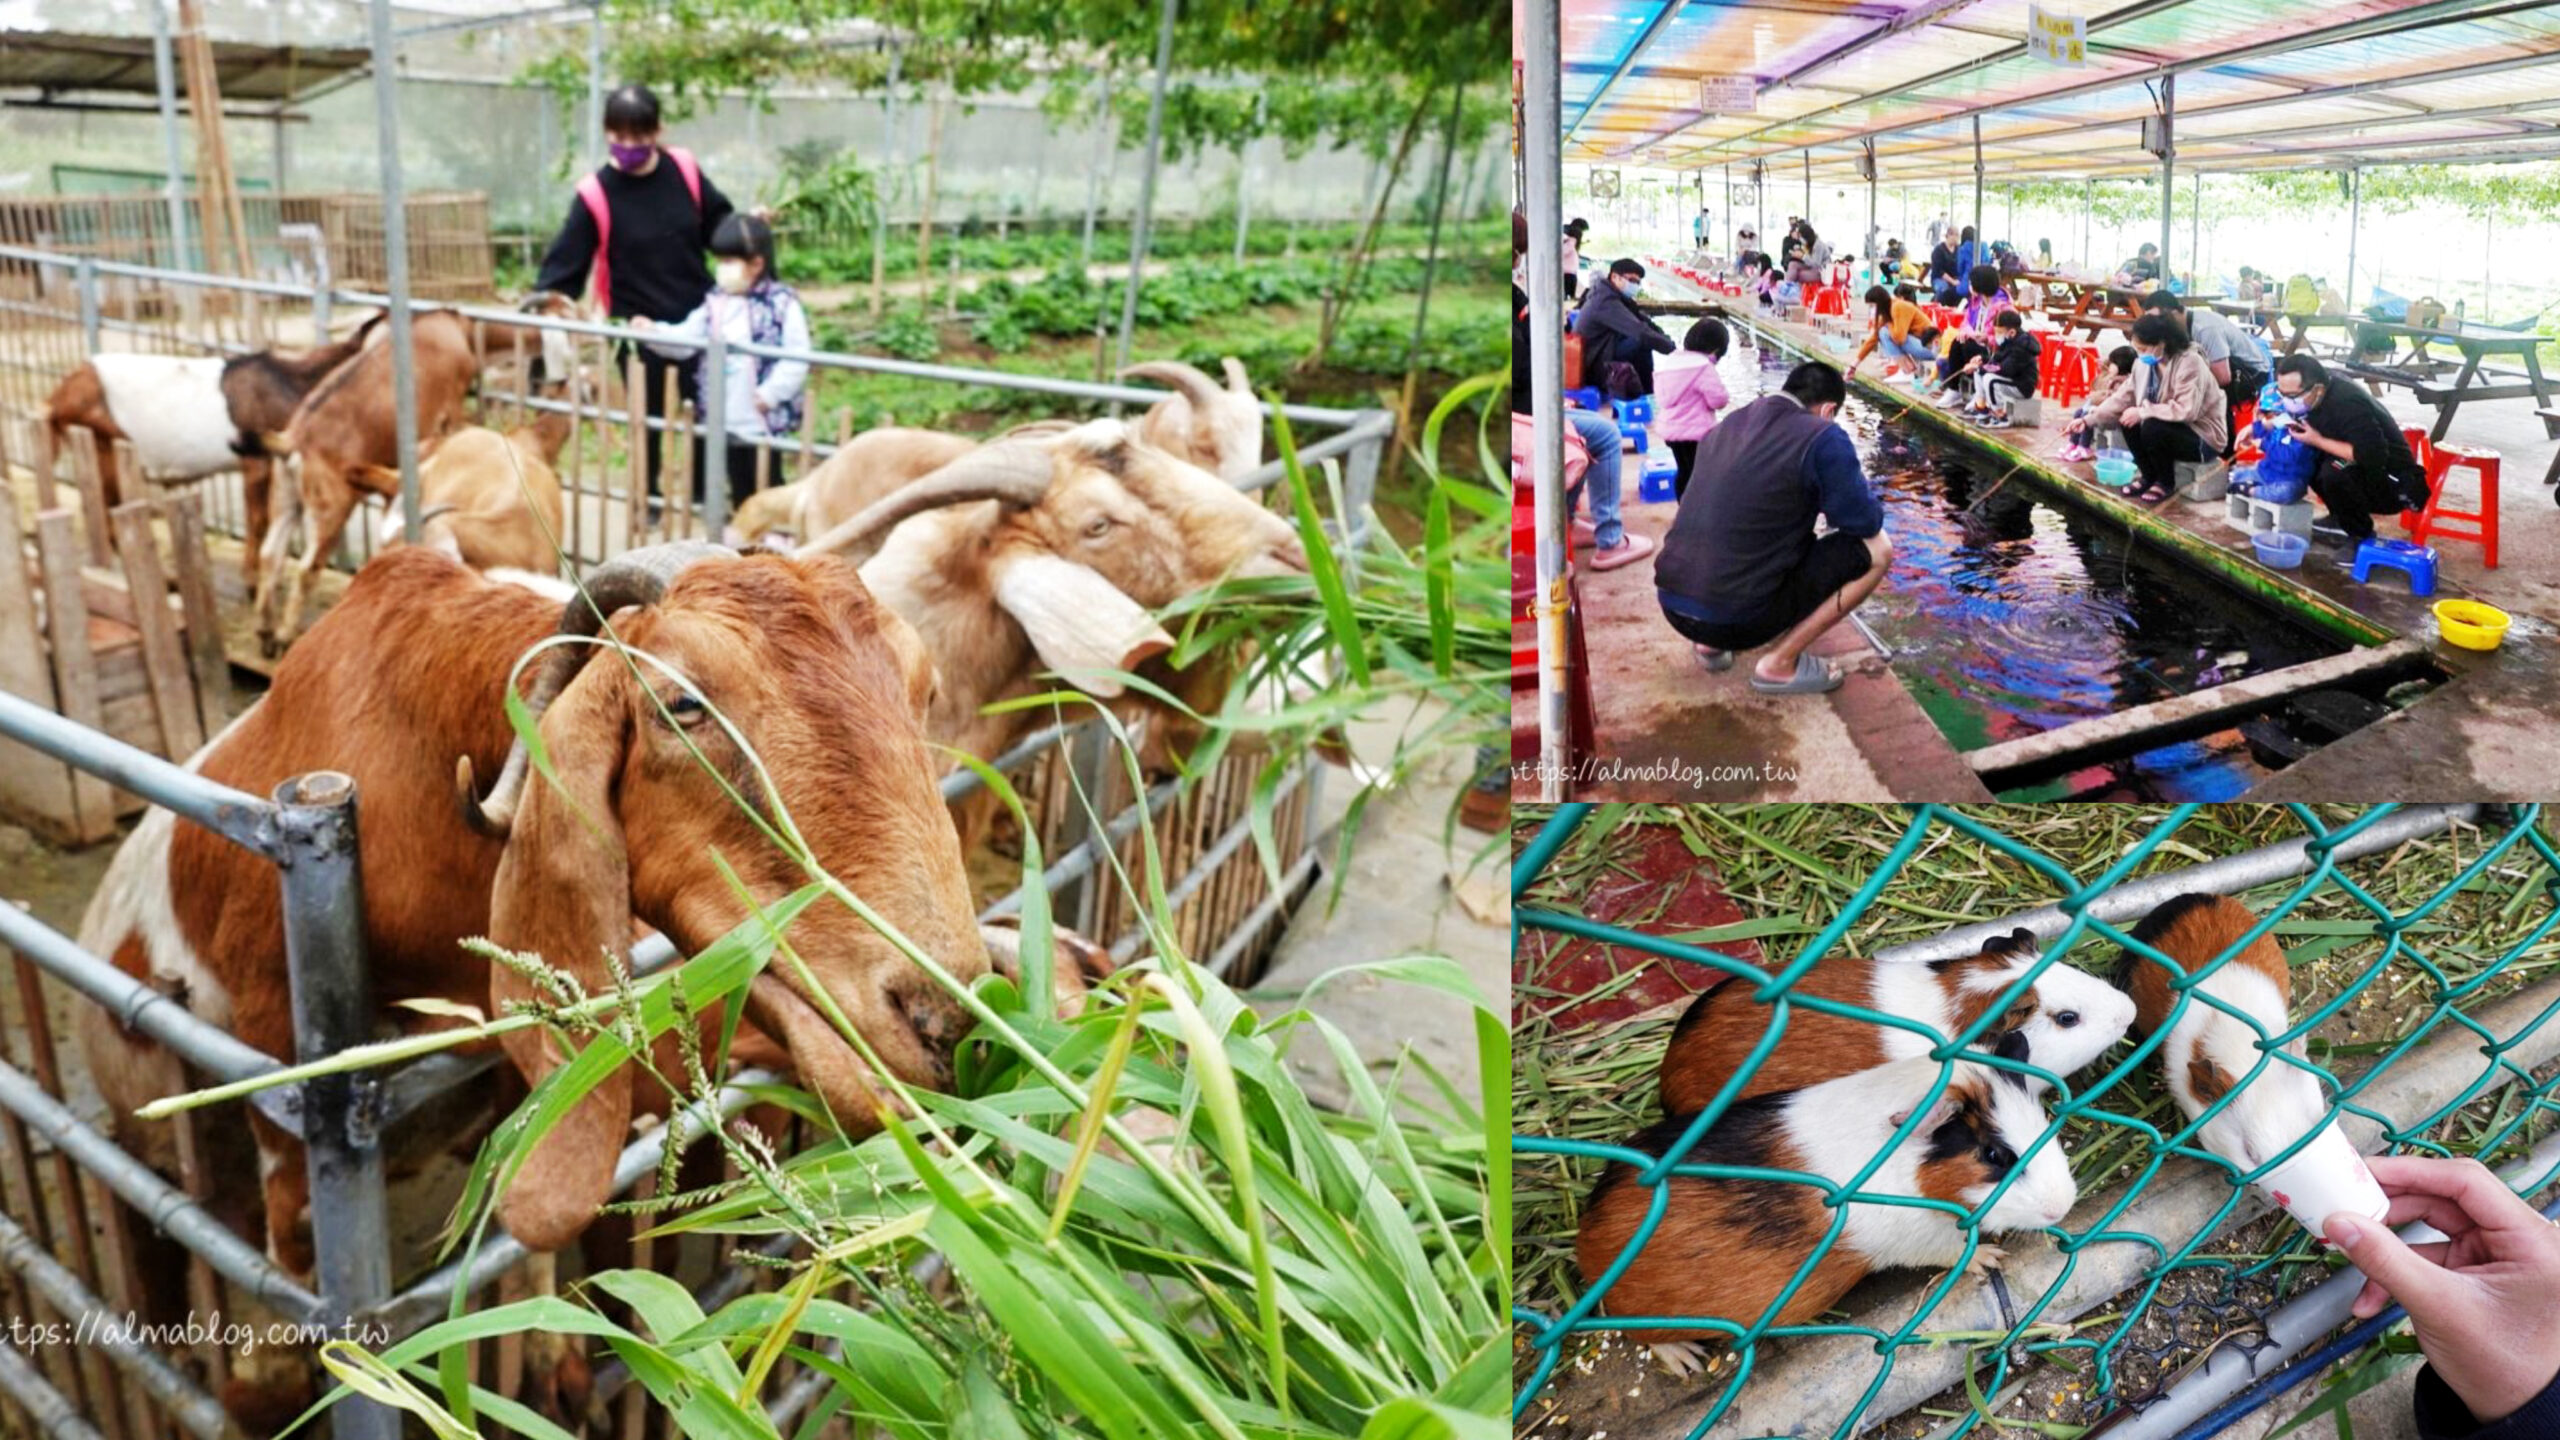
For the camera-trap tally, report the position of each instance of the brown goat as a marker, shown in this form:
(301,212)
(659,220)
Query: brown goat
(187,416)
(490,500)
(406,674)
(342,439)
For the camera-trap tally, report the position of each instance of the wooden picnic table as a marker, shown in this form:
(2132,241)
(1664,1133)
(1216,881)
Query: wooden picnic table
(2419,371)
(2105,306)
(2304,324)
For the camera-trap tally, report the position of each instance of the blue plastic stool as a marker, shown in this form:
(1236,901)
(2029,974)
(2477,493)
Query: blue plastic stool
(1661,478)
(2418,562)
(1586,398)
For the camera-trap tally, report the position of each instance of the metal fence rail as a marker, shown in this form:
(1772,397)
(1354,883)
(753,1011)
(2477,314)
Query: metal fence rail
(2465,1048)
(55,310)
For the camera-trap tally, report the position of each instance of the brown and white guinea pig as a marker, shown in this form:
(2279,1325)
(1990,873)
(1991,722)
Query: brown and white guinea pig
(2069,1019)
(1725,1248)
(2208,1052)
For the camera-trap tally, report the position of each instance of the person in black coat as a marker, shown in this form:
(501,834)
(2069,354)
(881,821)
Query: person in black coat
(661,211)
(1613,330)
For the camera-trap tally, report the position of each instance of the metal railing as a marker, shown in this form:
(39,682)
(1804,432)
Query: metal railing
(307,830)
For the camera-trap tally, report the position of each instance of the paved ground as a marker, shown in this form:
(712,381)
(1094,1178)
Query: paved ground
(1678,733)
(1407,892)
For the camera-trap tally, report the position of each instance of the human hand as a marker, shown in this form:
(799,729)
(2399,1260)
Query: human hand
(2479,1299)
(642,322)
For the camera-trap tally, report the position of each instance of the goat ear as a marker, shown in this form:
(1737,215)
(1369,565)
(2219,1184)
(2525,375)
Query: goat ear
(1080,623)
(564,892)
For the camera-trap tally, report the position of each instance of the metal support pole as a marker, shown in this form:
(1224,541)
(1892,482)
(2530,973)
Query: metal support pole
(1808,187)
(2168,164)
(395,245)
(1875,242)
(1431,255)
(2355,214)
(2088,208)
(164,70)
(595,75)
(2232,873)
(1977,180)
(1244,164)
(333,1009)
(84,278)
(2195,233)
(1542,142)
(1147,183)
(1728,206)
(880,229)
(1105,135)
(715,432)
(1094,763)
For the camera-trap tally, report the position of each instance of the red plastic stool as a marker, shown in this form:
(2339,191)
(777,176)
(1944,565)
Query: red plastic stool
(2075,374)
(2479,525)
(1830,300)
(2420,446)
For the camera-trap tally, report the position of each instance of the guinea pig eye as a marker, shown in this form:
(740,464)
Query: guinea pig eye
(2066,1018)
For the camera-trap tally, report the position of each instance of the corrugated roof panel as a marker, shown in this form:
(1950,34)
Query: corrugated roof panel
(2504,88)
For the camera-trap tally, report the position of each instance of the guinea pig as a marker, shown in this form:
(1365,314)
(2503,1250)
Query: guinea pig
(2069,1018)
(1725,1248)
(2207,1051)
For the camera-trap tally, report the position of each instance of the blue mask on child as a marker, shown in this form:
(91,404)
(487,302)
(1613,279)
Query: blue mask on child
(2146,359)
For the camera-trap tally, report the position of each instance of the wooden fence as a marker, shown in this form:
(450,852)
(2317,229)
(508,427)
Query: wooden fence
(449,254)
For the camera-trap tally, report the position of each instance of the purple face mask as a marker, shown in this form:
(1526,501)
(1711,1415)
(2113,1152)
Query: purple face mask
(630,157)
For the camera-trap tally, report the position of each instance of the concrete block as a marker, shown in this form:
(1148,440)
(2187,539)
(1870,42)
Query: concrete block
(2026,410)
(1798,314)
(2203,482)
(2249,514)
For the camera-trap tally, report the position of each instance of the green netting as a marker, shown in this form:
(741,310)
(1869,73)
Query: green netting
(2409,963)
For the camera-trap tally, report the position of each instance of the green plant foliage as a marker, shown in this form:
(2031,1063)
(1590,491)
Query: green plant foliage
(909,336)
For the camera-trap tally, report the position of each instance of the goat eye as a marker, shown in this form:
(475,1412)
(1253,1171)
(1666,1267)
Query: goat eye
(2066,1019)
(1098,527)
(686,708)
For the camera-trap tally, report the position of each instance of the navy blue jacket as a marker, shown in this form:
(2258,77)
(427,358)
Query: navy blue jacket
(2442,1415)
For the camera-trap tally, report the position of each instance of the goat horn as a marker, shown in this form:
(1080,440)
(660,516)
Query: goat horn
(635,577)
(1238,383)
(1016,473)
(1199,389)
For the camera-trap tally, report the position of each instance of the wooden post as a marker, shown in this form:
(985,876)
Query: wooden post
(36,784)
(47,495)
(635,392)
(164,657)
(93,492)
(203,616)
(75,668)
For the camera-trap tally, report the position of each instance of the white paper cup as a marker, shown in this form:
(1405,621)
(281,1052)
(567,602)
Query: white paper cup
(2323,1178)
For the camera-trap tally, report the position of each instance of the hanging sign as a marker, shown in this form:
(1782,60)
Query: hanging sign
(2061,39)
(1728,95)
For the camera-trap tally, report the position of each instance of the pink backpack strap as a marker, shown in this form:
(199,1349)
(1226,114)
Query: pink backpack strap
(591,195)
(690,169)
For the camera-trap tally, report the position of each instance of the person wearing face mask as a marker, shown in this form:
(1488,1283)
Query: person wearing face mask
(2365,466)
(2170,411)
(749,305)
(1614,331)
(637,227)
(1742,566)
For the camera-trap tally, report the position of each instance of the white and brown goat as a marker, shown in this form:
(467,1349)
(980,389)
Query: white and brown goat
(190,416)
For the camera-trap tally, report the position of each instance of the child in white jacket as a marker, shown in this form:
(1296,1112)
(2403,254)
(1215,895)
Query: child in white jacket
(763,395)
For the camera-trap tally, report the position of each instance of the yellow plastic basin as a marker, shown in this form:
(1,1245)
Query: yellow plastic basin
(2470,624)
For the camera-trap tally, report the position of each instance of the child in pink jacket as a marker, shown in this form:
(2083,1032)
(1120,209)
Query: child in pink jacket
(1687,393)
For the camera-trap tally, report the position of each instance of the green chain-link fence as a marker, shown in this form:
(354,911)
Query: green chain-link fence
(2499,1107)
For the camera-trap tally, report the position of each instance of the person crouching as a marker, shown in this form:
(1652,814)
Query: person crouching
(1742,567)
